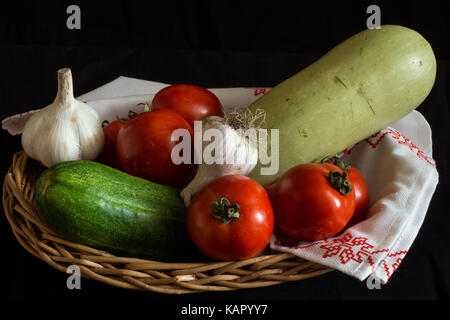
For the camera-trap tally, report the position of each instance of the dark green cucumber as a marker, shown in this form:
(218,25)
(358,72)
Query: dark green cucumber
(96,205)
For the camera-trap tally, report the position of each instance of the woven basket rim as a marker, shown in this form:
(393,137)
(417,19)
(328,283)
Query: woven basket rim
(35,237)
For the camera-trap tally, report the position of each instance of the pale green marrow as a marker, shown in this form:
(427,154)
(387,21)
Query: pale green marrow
(361,86)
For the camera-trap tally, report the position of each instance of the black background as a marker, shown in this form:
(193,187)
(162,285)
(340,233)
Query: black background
(212,44)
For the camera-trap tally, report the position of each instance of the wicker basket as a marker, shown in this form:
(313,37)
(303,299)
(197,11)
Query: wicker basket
(130,273)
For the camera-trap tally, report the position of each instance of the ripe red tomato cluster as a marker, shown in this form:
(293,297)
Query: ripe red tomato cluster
(142,146)
(234,217)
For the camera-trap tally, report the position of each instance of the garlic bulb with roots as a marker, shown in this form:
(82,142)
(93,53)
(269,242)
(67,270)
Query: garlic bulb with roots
(65,130)
(233,151)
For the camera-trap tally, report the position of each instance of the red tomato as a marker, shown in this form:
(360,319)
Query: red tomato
(218,231)
(362,198)
(144,147)
(191,102)
(307,206)
(109,153)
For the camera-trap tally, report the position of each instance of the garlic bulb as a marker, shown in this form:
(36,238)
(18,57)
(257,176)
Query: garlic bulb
(65,130)
(234,153)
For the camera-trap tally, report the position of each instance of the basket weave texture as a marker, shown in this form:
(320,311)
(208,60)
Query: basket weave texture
(32,233)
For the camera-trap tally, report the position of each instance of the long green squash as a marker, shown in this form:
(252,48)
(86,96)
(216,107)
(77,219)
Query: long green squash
(363,85)
(96,205)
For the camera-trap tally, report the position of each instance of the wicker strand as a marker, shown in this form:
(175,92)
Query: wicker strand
(34,236)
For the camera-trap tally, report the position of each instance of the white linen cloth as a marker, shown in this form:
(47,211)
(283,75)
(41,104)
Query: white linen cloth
(401,177)
(396,163)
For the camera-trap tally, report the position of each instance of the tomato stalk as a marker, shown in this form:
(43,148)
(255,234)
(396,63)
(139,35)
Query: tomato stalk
(223,210)
(131,115)
(341,165)
(340,182)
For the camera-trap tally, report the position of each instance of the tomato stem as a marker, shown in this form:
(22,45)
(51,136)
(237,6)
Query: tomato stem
(336,161)
(223,210)
(122,122)
(340,182)
(340,164)
(132,114)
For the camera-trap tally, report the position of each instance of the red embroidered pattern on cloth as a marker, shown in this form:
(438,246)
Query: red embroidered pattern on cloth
(390,263)
(401,139)
(259,91)
(348,248)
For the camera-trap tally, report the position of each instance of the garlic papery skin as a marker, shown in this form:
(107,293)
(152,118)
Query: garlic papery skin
(65,130)
(235,146)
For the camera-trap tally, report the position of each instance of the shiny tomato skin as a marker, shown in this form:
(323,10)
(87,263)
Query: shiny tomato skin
(307,207)
(190,101)
(362,198)
(239,239)
(144,148)
(109,153)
